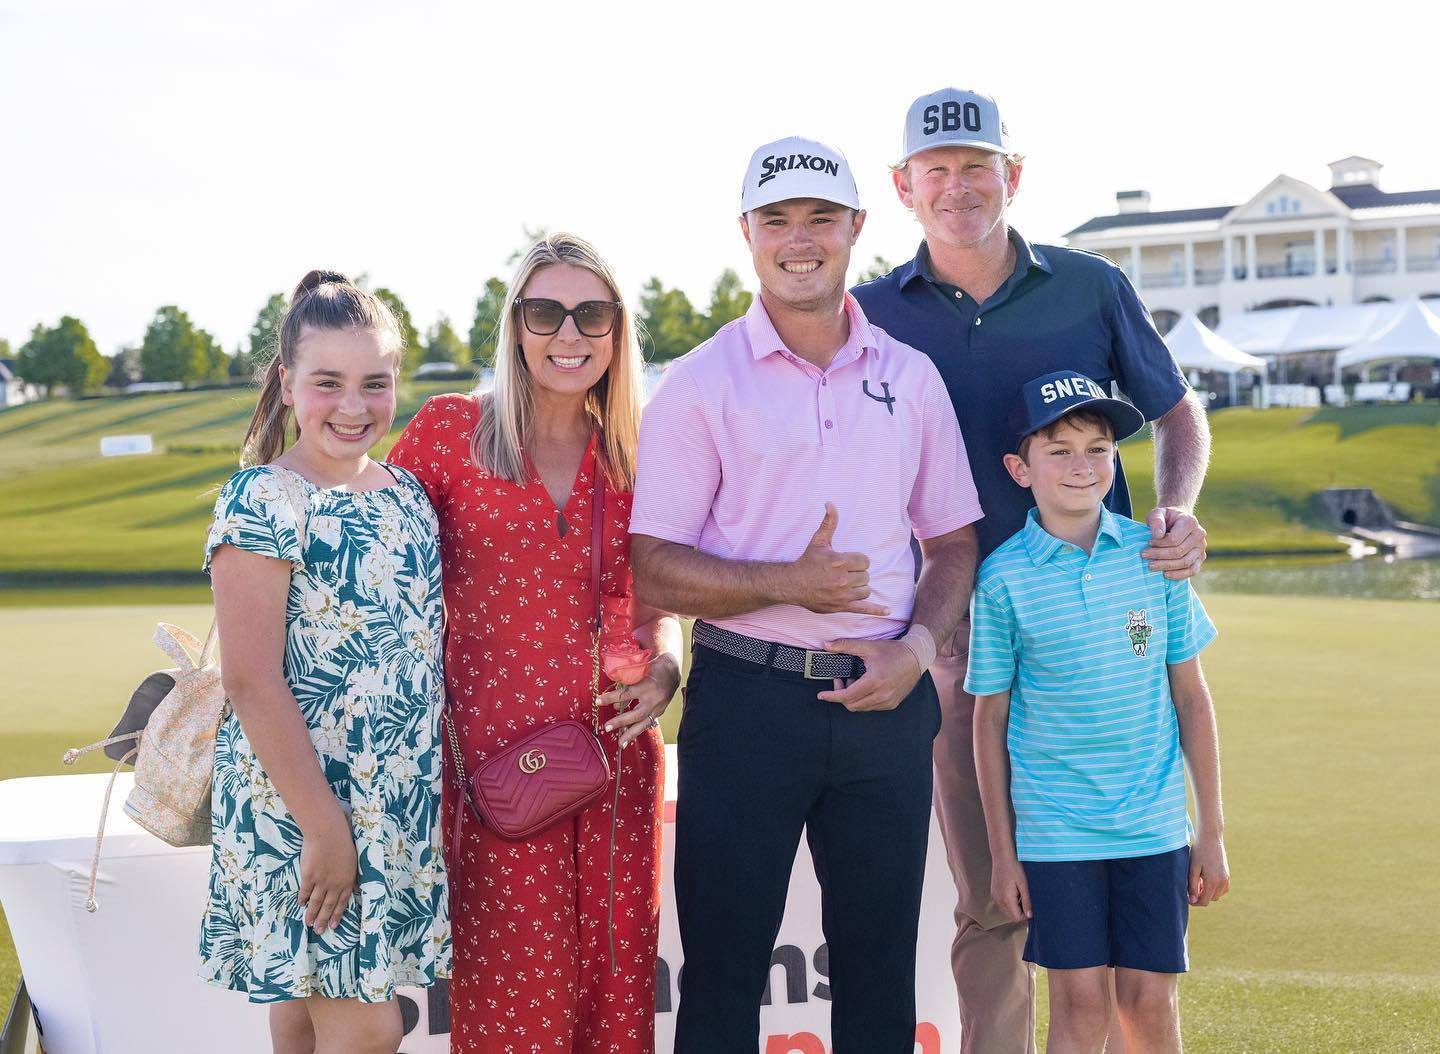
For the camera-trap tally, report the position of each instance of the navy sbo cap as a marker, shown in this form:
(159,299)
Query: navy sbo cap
(1046,399)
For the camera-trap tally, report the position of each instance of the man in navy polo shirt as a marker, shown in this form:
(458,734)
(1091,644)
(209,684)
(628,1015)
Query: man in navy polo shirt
(993,311)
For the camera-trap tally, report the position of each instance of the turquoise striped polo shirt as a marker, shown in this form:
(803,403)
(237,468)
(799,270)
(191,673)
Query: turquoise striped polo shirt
(1083,643)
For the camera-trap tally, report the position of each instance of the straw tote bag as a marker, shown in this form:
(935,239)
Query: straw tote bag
(170,725)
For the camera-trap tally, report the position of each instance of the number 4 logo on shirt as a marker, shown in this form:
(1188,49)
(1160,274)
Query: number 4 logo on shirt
(887,398)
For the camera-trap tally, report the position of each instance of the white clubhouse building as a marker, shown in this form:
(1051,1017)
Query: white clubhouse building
(1290,246)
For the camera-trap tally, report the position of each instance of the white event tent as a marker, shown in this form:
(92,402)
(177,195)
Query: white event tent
(1197,347)
(1414,333)
(1291,330)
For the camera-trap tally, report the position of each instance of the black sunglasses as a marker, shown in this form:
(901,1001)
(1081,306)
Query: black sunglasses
(543,316)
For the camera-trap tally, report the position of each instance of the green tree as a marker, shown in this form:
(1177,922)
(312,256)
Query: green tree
(729,300)
(413,346)
(175,349)
(32,362)
(485,330)
(879,268)
(63,355)
(5,352)
(532,235)
(671,325)
(265,333)
(242,363)
(443,344)
(217,363)
(124,367)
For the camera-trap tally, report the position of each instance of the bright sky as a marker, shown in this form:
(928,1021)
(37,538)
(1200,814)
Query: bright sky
(176,151)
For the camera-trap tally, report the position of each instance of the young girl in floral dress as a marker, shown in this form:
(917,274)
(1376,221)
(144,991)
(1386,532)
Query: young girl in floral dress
(327,885)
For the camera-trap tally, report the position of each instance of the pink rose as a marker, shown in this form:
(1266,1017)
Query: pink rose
(625,663)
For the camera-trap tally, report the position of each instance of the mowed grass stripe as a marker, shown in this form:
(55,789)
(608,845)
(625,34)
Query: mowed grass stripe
(94,520)
(73,518)
(40,436)
(1261,494)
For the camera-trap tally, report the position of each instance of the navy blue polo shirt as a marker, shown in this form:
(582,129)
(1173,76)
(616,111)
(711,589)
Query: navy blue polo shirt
(1061,309)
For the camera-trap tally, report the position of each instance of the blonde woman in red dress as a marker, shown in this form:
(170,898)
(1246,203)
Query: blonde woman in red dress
(511,476)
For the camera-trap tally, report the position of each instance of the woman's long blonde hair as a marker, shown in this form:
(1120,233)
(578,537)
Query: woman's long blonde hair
(613,404)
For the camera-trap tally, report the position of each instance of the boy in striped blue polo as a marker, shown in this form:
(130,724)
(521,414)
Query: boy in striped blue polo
(1089,704)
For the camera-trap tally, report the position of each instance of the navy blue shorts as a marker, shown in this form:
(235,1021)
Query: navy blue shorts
(1131,913)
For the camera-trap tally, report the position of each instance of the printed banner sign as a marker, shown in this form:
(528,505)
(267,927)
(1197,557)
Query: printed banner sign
(115,446)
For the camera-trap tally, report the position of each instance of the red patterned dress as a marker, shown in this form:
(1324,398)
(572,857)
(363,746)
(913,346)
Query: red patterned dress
(529,924)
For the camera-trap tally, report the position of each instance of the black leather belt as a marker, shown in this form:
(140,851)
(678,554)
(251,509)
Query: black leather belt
(813,665)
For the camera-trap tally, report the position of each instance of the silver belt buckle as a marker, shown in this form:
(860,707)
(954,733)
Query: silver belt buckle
(810,675)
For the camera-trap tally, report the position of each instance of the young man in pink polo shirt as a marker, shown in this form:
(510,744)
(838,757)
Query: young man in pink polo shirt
(783,467)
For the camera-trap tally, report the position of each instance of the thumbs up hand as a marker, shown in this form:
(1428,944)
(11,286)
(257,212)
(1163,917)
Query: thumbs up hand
(825,581)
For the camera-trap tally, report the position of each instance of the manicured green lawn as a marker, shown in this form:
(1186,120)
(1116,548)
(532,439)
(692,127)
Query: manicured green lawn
(49,434)
(1268,467)
(75,520)
(1328,941)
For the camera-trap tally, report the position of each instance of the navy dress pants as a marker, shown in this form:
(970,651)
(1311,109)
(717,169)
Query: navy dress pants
(760,759)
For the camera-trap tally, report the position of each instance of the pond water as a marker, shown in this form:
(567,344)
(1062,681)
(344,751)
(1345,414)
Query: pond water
(1382,577)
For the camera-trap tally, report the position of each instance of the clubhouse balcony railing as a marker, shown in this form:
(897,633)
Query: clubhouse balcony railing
(1291,269)
(1276,270)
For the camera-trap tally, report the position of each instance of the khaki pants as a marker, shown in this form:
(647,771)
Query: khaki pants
(996,987)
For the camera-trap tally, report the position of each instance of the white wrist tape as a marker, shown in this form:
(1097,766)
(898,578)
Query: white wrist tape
(918,639)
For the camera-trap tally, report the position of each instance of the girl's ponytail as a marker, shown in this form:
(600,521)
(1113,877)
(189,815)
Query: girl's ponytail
(322,300)
(313,280)
(265,438)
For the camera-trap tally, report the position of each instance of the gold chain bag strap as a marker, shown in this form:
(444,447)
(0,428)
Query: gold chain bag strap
(555,771)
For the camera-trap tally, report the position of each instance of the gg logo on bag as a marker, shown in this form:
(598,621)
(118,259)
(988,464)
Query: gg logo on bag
(532,761)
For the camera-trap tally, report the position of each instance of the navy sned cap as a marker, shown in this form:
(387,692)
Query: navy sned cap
(1046,399)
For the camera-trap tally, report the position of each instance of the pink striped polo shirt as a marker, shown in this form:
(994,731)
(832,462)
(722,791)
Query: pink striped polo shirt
(744,442)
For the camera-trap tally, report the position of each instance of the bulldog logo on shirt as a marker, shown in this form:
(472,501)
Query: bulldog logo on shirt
(1138,629)
(887,398)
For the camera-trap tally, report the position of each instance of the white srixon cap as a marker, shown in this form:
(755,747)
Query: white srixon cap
(954,117)
(798,168)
